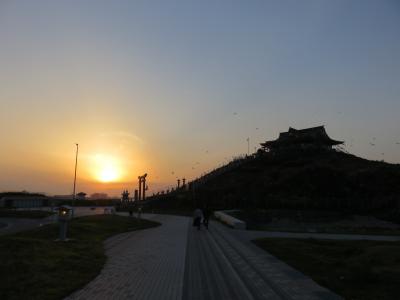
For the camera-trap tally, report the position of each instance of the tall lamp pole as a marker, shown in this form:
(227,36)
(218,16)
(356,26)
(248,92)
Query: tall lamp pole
(76,165)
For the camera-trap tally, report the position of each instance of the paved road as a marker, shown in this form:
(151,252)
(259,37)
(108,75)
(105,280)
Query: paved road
(176,261)
(14,225)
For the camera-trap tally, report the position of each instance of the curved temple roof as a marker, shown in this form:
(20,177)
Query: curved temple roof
(314,135)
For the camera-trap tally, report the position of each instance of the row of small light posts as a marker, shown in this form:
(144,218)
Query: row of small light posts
(179,182)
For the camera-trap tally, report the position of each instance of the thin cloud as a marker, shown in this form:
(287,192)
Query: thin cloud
(123,134)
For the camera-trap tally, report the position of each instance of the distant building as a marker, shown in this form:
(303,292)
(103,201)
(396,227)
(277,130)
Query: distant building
(98,196)
(24,201)
(81,196)
(314,138)
(125,196)
(63,197)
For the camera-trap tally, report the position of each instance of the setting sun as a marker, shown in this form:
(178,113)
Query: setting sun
(106,168)
(107,174)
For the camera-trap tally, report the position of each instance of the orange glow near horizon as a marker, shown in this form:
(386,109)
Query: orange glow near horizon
(106,168)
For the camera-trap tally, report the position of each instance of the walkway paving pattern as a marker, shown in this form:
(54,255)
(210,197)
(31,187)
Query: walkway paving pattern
(146,264)
(176,261)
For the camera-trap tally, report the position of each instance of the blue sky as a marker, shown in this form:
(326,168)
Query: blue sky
(186,77)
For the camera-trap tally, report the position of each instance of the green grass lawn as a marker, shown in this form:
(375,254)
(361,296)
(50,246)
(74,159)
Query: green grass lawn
(34,266)
(309,222)
(352,269)
(333,230)
(29,214)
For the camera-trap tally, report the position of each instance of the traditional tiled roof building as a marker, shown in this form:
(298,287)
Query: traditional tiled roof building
(309,138)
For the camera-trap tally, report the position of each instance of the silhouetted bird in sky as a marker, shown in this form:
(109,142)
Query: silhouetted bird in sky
(256,128)
(372,144)
(397,143)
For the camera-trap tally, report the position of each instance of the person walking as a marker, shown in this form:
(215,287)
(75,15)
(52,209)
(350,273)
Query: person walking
(206,216)
(197,216)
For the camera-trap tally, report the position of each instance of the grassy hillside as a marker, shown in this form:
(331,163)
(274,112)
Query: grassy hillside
(325,180)
(303,180)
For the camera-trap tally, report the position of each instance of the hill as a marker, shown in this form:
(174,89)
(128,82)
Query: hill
(330,180)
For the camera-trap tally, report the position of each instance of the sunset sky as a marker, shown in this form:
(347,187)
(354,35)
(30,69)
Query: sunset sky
(174,88)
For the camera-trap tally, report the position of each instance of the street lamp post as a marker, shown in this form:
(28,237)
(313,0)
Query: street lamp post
(76,165)
(140,187)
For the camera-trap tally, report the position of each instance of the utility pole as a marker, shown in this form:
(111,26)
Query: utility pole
(248,146)
(144,187)
(76,166)
(140,187)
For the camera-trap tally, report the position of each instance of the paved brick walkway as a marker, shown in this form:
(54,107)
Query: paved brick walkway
(176,261)
(146,264)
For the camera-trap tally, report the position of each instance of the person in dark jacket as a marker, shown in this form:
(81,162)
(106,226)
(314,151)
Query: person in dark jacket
(197,216)
(206,216)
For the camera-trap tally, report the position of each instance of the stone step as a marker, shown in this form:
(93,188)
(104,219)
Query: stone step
(287,282)
(250,275)
(208,273)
